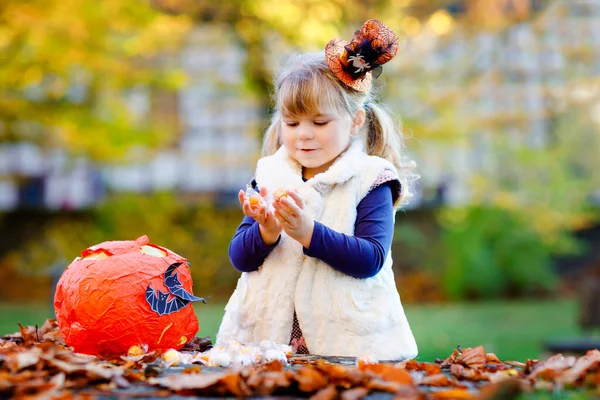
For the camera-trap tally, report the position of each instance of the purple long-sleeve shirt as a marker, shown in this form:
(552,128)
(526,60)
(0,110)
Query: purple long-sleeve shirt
(360,256)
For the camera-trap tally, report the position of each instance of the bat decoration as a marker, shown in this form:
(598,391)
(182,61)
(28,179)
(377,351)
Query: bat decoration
(174,285)
(161,304)
(180,297)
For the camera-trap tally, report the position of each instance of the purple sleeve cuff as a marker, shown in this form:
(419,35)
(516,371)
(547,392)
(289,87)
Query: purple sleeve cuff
(247,250)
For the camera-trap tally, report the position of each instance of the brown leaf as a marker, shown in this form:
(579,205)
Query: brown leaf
(530,365)
(473,357)
(408,393)
(329,393)
(198,344)
(354,394)
(273,366)
(594,379)
(41,387)
(437,380)
(309,379)
(382,385)
(389,372)
(451,359)
(235,385)
(4,343)
(54,337)
(453,394)
(187,381)
(412,365)
(492,359)
(552,367)
(22,358)
(34,387)
(516,364)
(467,373)
(341,376)
(50,326)
(586,363)
(141,359)
(134,376)
(265,383)
(29,334)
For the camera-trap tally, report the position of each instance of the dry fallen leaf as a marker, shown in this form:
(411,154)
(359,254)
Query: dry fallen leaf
(437,380)
(467,373)
(473,357)
(329,393)
(412,365)
(354,394)
(453,394)
(35,362)
(552,368)
(388,372)
(579,370)
(310,379)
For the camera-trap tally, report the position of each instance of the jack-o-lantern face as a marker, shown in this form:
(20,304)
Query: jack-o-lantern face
(126,293)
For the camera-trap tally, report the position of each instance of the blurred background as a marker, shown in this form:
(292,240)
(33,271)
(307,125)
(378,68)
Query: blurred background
(122,118)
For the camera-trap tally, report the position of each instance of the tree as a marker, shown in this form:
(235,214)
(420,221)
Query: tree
(67,68)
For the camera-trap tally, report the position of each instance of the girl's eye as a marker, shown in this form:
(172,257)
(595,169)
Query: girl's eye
(291,123)
(321,123)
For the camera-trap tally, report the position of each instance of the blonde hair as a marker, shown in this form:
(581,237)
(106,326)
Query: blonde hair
(306,85)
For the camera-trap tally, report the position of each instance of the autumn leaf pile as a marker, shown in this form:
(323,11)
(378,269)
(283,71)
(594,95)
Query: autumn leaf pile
(36,363)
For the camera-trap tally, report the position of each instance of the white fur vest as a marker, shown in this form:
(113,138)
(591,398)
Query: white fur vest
(339,315)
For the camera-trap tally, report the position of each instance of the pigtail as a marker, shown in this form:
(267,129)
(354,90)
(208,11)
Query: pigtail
(385,140)
(271,140)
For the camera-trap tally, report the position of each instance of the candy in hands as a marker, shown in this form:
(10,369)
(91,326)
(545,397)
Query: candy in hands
(279,193)
(254,200)
(254,197)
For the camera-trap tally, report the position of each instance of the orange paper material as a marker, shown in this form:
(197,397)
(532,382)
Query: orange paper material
(101,305)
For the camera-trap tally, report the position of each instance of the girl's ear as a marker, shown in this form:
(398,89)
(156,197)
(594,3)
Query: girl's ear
(357,122)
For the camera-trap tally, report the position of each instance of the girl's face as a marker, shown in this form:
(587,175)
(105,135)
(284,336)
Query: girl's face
(315,141)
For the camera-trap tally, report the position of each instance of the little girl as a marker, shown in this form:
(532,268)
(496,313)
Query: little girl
(316,262)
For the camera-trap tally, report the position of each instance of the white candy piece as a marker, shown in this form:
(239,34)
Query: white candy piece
(285,348)
(266,345)
(236,354)
(171,358)
(275,354)
(219,359)
(241,359)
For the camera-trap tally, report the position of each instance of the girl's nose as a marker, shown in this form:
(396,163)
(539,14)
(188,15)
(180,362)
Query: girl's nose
(305,131)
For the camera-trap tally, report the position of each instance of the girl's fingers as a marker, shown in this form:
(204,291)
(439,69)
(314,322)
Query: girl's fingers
(282,219)
(262,211)
(250,211)
(246,208)
(287,205)
(291,206)
(241,197)
(297,199)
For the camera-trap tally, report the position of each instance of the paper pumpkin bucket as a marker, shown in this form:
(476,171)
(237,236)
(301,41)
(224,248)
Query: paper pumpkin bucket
(120,294)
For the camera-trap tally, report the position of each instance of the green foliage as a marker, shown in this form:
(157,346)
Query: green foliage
(68,66)
(490,252)
(200,232)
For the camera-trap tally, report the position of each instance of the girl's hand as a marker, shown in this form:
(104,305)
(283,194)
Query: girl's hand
(289,211)
(269,227)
